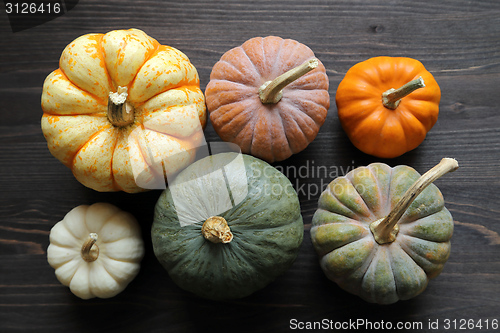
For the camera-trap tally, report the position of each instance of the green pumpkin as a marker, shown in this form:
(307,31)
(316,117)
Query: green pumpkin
(379,238)
(227,226)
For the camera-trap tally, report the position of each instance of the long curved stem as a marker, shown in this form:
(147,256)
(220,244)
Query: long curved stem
(271,91)
(392,97)
(385,230)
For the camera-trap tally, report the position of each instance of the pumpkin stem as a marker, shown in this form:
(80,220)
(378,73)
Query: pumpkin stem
(120,112)
(392,97)
(271,91)
(90,251)
(385,230)
(216,230)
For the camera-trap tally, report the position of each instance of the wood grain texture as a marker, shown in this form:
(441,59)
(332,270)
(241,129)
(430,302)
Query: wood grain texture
(459,43)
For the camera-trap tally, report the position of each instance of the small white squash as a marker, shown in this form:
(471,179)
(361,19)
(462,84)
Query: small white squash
(96,250)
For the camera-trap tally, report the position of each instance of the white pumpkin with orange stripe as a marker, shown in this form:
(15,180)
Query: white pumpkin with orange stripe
(123,111)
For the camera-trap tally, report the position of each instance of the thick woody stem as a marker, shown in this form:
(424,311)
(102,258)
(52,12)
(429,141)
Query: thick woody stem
(216,230)
(90,251)
(392,97)
(271,91)
(385,230)
(120,112)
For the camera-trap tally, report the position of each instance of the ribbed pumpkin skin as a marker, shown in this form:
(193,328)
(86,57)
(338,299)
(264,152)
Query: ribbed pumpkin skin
(349,254)
(375,129)
(120,245)
(164,89)
(267,229)
(272,132)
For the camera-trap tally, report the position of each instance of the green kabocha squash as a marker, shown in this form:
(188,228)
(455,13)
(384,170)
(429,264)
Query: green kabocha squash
(382,233)
(227,226)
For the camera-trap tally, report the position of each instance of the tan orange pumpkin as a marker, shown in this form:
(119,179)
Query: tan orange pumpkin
(123,110)
(387,105)
(269,96)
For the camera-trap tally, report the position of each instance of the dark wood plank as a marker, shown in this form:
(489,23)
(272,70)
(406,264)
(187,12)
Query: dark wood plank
(458,41)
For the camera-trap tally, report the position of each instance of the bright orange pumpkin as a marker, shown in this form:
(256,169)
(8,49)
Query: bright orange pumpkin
(122,110)
(387,105)
(269,96)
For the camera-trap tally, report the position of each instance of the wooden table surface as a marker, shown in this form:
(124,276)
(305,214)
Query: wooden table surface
(459,43)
